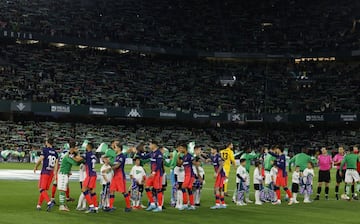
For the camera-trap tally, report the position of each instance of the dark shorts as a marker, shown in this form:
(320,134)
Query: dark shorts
(295,188)
(257,187)
(140,187)
(339,178)
(324,176)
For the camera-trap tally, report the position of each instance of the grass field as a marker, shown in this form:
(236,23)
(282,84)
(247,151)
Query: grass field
(18,201)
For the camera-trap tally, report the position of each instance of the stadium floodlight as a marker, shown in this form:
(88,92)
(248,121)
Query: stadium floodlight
(59,44)
(81,46)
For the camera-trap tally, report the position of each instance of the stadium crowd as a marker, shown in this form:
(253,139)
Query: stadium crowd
(249,26)
(86,76)
(29,135)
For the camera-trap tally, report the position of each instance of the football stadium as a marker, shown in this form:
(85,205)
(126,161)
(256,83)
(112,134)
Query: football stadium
(185,111)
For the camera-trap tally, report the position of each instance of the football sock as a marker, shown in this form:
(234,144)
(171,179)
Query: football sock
(88,197)
(278,195)
(191,197)
(288,192)
(336,189)
(222,199)
(352,189)
(41,199)
(45,196)
(94,199)
(149,195)
(185,199)
(326,191)
(160,198)
(217,199)
(294,196)
(127,200)
(81,198)
(62,198)
(347,189)
(318,191)
(111,200)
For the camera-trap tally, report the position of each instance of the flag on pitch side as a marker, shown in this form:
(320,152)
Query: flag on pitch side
(103,147)
(191,147)
(84,144)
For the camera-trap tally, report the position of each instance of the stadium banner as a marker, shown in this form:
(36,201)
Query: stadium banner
(167,114)
(47,108)
(95,110)
(59,108)
(20,106)
(134,112)
(201,115)
(348,117)
(235,117)
(276,118)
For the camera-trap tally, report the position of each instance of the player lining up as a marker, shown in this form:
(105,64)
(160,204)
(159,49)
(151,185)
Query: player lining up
(49,158)
(89,185)
(155,179)
(118,183)
(220,177)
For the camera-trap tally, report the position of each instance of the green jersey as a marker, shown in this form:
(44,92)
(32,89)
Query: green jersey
(248,157)
(301,160)
(350,160)
(268,162)
(66,164)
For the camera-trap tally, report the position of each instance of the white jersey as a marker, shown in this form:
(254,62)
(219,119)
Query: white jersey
(82,172)
(258,178)
(242,173)
(179,171)
(138,173)
(201,171)
(109,173)
(296,177)
(273,173)
(308,172)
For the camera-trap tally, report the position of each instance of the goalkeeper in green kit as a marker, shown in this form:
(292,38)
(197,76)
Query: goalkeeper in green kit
(301,159)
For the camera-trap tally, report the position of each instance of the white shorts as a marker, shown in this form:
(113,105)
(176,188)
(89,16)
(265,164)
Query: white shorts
(267,177)
(63,181)
(351,175)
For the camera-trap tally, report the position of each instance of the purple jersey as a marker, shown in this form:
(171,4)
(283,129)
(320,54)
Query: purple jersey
(156,161)
(120,159)
(280,162)
(50,157)
(216,161)
(90,161)
(187,163)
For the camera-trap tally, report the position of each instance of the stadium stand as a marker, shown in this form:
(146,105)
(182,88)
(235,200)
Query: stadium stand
(230,25)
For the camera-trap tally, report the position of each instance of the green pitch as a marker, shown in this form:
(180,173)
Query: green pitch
(18,201)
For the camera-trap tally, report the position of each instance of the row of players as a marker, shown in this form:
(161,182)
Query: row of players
(189,176)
